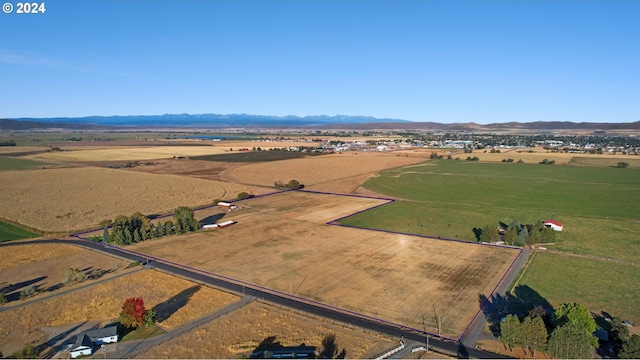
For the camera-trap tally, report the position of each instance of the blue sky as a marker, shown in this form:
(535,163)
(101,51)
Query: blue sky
(444,61)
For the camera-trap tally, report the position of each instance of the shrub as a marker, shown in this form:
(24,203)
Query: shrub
(622,164)
(243,195)
(25,293)
(3,298)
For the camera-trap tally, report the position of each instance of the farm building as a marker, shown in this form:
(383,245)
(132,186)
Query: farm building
(87,340)
(554,225)
(218,226)
(226,206)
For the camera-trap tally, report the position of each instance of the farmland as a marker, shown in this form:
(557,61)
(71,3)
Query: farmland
(234,338)
(10,163)
(596,204)
(599,284)
(103,302)
(79,198)
(9,232)
(319,171)
(370,272)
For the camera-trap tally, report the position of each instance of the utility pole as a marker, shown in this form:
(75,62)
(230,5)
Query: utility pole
(437,319)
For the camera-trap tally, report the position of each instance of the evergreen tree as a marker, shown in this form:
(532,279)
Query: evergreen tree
(570,341)
(537,338)
(510,331)
(631,348)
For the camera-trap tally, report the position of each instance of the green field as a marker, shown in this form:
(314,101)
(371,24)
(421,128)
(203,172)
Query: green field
(255,156)
(600,285)
(598,205)
(9,232)
(11,163)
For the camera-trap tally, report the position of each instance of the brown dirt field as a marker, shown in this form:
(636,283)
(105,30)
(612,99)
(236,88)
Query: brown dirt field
(104,301)
(25,253)
(318,171)
(49,272)
(62,200)
(185,167)
(497,347)
(238,333)
(281,242)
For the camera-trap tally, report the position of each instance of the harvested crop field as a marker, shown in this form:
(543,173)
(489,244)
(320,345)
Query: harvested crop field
(317,171)
(64,200)
(282,242)
(130,153)
(175,300)
(238,333)
(21,253)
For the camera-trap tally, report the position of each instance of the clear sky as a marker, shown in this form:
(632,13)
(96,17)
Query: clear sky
(444,61)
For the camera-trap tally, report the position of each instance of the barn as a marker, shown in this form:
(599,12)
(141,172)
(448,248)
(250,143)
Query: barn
(554,225)
(226,206)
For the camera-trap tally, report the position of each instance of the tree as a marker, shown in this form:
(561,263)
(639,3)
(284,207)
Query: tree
(243,195)
(3,298)
(536,333)
(511,236)
(74,275)
(133,312)
(149,317)
(27,352)
(575,313)
(510,331)
(185,220)
(489,234)
(570,341)
(631,348)
(618,335)
(293,184)
(622,164)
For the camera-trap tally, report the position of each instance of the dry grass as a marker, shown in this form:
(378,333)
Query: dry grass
(318,171)
(16,255)
(394,277)
(62,200)
(104,301)
(240,332)
(91,154)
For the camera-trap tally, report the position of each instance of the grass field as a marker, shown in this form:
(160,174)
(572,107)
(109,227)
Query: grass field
(600,285)
(9,232)
(450,198)
(12,163)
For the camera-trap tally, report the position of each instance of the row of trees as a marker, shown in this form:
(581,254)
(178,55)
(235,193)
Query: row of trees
(292,184)
(517,234)
(567,333)
(137,227)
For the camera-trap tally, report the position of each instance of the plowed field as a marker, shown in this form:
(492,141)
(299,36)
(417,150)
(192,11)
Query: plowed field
(282,242)
(345,170)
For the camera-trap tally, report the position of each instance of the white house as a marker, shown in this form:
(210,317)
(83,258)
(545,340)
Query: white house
(554,225)
(226,206)
(87,340)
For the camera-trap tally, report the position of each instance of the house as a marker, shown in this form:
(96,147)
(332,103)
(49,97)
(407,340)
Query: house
(209,227)
(82,346)
(87,340)
(554,225)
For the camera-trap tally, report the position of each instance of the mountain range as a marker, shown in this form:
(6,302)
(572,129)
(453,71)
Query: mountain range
(247,121)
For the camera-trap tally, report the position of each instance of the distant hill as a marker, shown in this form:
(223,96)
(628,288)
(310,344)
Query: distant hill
(203,121)
(247,121)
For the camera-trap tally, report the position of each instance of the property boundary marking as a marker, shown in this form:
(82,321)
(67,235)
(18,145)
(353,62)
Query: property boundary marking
(334,223)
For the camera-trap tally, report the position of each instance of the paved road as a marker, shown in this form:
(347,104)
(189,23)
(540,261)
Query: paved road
(476,332)
(442,345)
